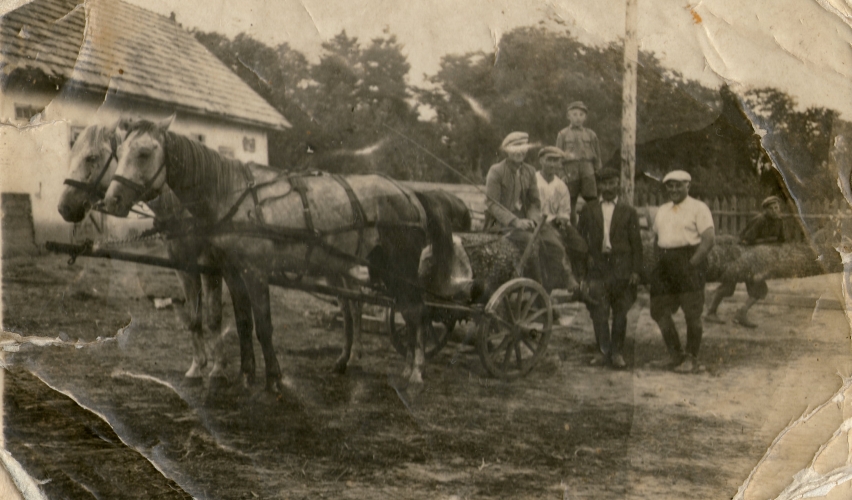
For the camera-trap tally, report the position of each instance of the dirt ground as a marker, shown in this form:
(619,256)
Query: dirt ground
(108,415)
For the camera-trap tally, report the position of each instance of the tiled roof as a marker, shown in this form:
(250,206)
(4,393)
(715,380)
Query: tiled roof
(130,51)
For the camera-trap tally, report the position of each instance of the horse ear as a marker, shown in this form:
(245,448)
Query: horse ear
(166,123)
(123,125)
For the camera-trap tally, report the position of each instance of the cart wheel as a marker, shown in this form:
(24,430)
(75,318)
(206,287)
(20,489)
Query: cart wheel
(515,328)
(436,334)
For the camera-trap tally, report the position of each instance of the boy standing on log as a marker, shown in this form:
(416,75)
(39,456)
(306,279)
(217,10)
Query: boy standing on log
(582,156)
(767,228)
(685,234)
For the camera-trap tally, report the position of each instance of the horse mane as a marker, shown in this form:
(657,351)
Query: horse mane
(198,167)
(93,135)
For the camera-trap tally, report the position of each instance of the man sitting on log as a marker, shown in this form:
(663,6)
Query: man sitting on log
(556,207)
(514,209)
(767,228)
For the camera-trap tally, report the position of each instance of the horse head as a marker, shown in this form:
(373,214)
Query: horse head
(90,170)
(141,171)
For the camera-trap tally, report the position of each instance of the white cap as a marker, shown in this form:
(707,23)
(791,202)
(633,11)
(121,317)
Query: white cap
(677,175)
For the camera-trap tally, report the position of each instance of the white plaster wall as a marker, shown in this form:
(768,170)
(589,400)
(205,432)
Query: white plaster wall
(34,156)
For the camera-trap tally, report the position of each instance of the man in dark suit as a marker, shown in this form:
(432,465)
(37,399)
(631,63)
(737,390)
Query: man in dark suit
(611,229)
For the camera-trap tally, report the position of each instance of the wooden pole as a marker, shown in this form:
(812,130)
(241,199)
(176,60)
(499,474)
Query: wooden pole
(628,114)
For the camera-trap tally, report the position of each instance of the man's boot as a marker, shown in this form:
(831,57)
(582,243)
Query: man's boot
(688,365)
(742,319)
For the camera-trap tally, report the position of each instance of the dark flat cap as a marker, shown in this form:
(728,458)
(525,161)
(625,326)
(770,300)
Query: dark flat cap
(608,173)
(770,200)
(550,151)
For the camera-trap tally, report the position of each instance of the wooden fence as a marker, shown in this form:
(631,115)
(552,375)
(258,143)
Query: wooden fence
(730,213)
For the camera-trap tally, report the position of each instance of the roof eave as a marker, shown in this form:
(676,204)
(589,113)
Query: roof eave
(283,124)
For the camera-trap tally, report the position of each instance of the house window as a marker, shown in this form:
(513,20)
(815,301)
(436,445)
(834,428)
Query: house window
(248,144)
(226,151)
(74,134)
(26,111)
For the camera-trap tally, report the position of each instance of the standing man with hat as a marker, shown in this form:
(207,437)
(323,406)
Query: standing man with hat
(685,234)
(582,155)
(513,207)
(767,228)
(611,228)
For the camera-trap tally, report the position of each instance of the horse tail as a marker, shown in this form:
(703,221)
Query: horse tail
(439,231)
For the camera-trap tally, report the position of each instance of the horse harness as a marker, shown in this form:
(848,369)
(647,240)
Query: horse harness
(311,236)
(96,193)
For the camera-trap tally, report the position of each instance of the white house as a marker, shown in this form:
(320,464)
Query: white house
(66,64)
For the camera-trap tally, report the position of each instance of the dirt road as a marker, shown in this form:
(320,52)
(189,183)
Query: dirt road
(566,431)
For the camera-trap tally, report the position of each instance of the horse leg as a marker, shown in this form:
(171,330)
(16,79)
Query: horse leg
(212,286)
(357,309)
(191,285)
(351,311)
(414,355)
(418,347)
(243,317)
(258,289)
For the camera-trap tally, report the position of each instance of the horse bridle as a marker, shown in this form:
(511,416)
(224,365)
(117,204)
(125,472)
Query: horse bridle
(96,193)
(142,191)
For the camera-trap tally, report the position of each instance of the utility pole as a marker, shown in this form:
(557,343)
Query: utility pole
(628,96)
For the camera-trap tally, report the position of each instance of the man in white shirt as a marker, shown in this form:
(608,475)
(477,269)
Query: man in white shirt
(684,236)
(555,197)
(556,207)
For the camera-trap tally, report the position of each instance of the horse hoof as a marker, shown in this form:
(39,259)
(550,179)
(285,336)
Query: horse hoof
(218,383)
(415,378)
(339,367)
(192,381)
(279,389)
(247,380)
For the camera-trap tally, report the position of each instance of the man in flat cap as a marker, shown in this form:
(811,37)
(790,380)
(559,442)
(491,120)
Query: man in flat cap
(513,207)
(685,234)
(767,228)
(582,155)
(611,228)
(556,207)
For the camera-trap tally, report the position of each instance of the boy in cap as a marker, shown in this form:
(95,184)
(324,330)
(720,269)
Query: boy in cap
(766,228)
(582,154)
(513,207)
(556,207)
(685,234)
(611,228)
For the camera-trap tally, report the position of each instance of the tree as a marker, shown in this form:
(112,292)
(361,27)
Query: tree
(798,142)
(276,74)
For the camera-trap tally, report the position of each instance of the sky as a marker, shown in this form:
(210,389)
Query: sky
(798,46)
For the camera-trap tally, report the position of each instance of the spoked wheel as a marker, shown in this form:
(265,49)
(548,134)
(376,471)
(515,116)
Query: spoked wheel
(435,335)
(515,328)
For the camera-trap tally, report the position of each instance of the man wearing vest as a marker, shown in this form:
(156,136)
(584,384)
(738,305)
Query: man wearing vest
(611,228)
(685,234)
